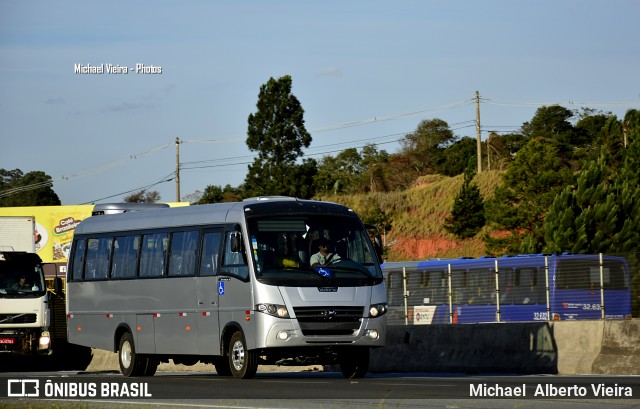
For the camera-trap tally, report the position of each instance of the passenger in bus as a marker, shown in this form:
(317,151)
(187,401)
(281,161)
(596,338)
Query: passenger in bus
(506,295)
(287,253)
(324,256)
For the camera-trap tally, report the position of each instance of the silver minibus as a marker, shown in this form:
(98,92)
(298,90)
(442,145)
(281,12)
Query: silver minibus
(270,280)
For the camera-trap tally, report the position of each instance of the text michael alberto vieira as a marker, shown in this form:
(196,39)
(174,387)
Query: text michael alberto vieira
(139,68)
(549,390)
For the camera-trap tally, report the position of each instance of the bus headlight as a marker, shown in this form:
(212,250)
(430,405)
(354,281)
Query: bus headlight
(45,340)
(275,310)
(376,310)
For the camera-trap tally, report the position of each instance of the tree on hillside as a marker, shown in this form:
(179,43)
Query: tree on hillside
(552,122)
(601,213)
(467,216)
(217,194)
(277,133)
(424,147)
(516,212)
(143,196)
(30,189)
(455,157)
(352,171)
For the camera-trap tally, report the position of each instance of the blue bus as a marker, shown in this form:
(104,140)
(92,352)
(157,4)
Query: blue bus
(508,289)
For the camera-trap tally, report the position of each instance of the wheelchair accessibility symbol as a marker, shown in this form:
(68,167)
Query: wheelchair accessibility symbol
(221,288)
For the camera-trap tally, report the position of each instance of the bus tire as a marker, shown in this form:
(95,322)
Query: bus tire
(222,366)
(242,362)
(354,363)
(131,364)
(151,367)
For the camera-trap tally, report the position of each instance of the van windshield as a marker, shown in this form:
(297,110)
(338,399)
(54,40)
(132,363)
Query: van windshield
(312,250)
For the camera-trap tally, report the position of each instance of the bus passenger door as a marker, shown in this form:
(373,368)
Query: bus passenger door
(234,288)
(207,290)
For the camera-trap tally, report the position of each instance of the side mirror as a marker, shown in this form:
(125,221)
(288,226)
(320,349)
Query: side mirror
(236,242)
(376,239)
(57,285)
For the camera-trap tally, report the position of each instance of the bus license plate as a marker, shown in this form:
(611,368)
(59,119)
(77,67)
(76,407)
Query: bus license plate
(7,341)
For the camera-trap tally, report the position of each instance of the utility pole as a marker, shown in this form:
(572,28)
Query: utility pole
(489,151)
(479,134)
(177,169)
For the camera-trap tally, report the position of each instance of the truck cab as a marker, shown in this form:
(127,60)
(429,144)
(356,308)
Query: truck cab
(24,312)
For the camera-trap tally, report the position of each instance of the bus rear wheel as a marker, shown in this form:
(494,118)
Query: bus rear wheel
(354,363)
(242,362)
(132,364)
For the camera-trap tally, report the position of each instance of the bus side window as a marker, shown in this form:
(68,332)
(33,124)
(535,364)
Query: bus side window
(152,255)
(210,253)
(78,260)
(234,262)
(98,253)
(125,256)
(182,255)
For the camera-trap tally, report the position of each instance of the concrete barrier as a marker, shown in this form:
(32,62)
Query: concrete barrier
(483,348)
(620,352)
(563,347)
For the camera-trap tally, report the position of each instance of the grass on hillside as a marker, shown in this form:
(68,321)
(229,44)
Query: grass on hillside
(418,214)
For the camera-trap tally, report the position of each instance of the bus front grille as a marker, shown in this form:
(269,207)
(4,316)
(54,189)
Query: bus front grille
(329,320)
(17,318)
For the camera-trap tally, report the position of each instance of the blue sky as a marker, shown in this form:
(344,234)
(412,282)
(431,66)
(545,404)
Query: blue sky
(379,66)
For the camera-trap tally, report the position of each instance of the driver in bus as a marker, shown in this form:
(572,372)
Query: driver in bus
(324,256)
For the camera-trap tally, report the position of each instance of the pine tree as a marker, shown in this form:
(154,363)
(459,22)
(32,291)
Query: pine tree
(467,215)
(277,132)
(601,213)
(518,207)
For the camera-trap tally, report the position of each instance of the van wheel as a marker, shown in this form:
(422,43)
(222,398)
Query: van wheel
(354,363)
(222,366)
(131,364)
(151,367)
(242,362)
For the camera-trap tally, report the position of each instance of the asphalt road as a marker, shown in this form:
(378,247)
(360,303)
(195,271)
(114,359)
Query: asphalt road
(315,390)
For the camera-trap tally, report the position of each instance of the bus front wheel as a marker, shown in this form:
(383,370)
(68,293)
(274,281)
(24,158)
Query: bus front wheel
(132,364)
(354,363)
(242,362)
(222,366)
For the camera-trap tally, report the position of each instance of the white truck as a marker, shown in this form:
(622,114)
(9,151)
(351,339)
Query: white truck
(24,309)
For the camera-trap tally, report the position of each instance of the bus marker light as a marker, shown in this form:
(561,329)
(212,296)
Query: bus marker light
(206,314)
(372,334)
(109,315)
(69,316)
(182,314)
(187,328)
(156,315)
(139,328)
(247,318)
(79,329)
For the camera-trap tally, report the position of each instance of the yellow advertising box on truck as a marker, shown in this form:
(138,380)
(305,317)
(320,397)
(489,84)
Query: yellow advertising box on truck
(55,226)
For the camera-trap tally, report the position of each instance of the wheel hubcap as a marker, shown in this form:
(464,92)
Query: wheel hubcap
(125,354)
(237,355)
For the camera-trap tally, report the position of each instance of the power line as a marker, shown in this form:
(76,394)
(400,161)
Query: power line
(167,178)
